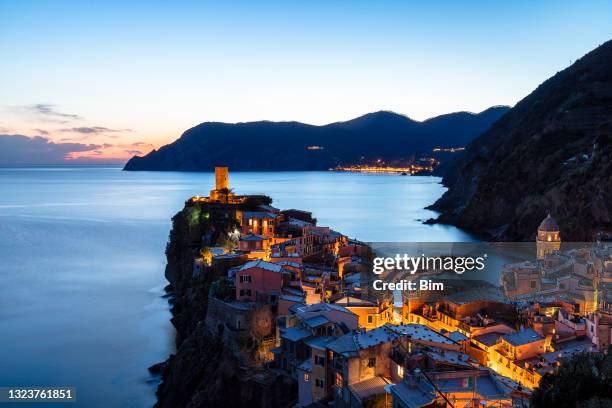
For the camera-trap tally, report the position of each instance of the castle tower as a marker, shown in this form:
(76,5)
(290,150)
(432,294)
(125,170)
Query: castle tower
(221,178)
(222,190)
(549,238)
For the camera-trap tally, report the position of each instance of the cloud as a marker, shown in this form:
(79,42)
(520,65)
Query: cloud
(41,131)
(93,130)
(133,152)
(46,112)
(20,150)
(141,144)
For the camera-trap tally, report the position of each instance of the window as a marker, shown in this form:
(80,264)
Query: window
(320,360)
(339,380)
(400,371)
(306,377)
(245,278)
(371,362)
(245,292)
(319,383)
(370,319)
(533,284)
(338,363)
(291,347)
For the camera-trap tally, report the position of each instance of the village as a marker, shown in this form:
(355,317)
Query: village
(294,303)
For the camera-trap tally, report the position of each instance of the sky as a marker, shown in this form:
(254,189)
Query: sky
(102,81)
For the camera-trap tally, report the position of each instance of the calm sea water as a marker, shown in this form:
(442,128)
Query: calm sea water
(82,261)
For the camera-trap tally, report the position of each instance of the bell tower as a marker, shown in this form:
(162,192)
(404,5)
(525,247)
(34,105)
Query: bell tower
(549,238)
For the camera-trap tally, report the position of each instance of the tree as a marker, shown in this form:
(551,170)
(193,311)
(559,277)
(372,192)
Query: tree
(223,289)
(584,380)
(206,255)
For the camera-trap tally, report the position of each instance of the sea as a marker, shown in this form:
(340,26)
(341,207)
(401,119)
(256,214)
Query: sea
(82,262)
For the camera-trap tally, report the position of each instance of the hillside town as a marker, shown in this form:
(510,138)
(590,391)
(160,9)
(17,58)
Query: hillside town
(291,304)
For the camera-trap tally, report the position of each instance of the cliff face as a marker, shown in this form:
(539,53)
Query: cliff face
(262,146)
(551,153)
(204,372)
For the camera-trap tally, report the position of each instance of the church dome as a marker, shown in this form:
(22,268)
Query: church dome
(549,225)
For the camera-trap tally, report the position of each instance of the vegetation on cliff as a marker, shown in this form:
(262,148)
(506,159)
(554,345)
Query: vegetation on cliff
(583,381)
(552,153)
(204,371)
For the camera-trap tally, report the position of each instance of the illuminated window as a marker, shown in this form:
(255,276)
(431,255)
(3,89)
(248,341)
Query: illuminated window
(400,371)
(245,278)
(371,362)
(306,377)
(339,380)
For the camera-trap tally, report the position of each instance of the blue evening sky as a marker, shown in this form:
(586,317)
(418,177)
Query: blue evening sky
(143,71)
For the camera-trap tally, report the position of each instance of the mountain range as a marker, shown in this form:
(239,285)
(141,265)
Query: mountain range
(551,153)
(265,145)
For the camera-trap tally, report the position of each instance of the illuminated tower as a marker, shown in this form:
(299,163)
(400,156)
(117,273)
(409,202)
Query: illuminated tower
(221,178)
(222,191)
(549,239)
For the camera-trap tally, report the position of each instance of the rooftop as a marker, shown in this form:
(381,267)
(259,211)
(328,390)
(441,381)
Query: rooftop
(253,237)
(549,225)
(366,388)
(488,339)
(268,208)
(568,349)
(261,264)
(295,334)
(297,223)
(522,337)
(350,344)
(353,301)
(316,321)
(442,356)
(483,382)
(421,332)
(305,311)
(319,342)
(457,336)
(258,215)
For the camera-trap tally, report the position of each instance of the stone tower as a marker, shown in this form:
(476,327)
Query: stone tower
(221,178)
(222,190)
(549,238)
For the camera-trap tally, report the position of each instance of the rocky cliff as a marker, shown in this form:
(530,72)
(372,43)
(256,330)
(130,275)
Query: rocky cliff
(205,372)
(552,153)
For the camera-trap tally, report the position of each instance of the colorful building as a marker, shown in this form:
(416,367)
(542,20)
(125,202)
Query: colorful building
(260,281)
